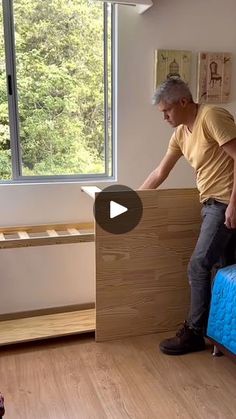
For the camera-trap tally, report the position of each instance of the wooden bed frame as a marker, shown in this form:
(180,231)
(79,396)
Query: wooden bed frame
(141,281)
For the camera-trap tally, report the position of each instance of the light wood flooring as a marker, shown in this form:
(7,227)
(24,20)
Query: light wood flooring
(77,378)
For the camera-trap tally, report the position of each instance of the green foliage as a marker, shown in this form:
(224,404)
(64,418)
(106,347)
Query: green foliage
(59,61)
(5,155)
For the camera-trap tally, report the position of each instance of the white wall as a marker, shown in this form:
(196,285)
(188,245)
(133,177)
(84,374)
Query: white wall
(171,24)
(59,275)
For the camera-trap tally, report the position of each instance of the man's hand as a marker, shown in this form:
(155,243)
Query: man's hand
(230,216)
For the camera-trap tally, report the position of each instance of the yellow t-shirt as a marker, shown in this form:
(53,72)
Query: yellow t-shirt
(214,168)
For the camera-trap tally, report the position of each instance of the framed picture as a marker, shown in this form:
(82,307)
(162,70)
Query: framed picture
(214,77)
(171,64)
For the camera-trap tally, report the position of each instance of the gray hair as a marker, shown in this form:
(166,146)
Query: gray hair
(171,91)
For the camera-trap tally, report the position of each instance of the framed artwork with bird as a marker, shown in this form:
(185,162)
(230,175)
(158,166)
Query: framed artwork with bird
(171,64)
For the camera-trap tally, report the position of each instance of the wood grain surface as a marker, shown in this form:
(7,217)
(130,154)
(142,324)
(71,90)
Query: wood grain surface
(77,378)
(141,280)
(45,326)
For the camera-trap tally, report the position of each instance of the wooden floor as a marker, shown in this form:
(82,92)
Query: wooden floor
(76,378)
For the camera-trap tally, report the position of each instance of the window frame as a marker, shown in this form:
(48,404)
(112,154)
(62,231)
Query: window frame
(11,86)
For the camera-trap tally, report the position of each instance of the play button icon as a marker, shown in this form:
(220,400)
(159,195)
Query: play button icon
(118,209)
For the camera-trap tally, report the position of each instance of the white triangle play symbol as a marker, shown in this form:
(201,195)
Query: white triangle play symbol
(116,209)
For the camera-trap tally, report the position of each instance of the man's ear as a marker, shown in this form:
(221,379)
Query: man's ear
(183,102)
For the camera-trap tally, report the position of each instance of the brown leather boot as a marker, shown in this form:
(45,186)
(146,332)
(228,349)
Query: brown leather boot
(186,340)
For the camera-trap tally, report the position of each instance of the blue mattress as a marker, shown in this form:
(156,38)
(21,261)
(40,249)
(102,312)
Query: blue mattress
(222,317)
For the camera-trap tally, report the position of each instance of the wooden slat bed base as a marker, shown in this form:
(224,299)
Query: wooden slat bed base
(44,227)
(23,235)
(45,234)
(2,237)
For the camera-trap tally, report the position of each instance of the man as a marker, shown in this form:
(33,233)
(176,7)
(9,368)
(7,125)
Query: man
(206,136)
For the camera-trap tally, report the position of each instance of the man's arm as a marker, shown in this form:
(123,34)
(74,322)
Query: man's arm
(230,213)
(157,177)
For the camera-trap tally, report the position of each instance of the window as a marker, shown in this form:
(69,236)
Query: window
(56,96)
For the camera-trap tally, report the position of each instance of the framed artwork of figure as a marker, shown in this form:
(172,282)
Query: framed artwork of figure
(214,77)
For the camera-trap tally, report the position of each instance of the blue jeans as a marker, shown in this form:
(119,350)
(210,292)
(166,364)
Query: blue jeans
(215,248)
